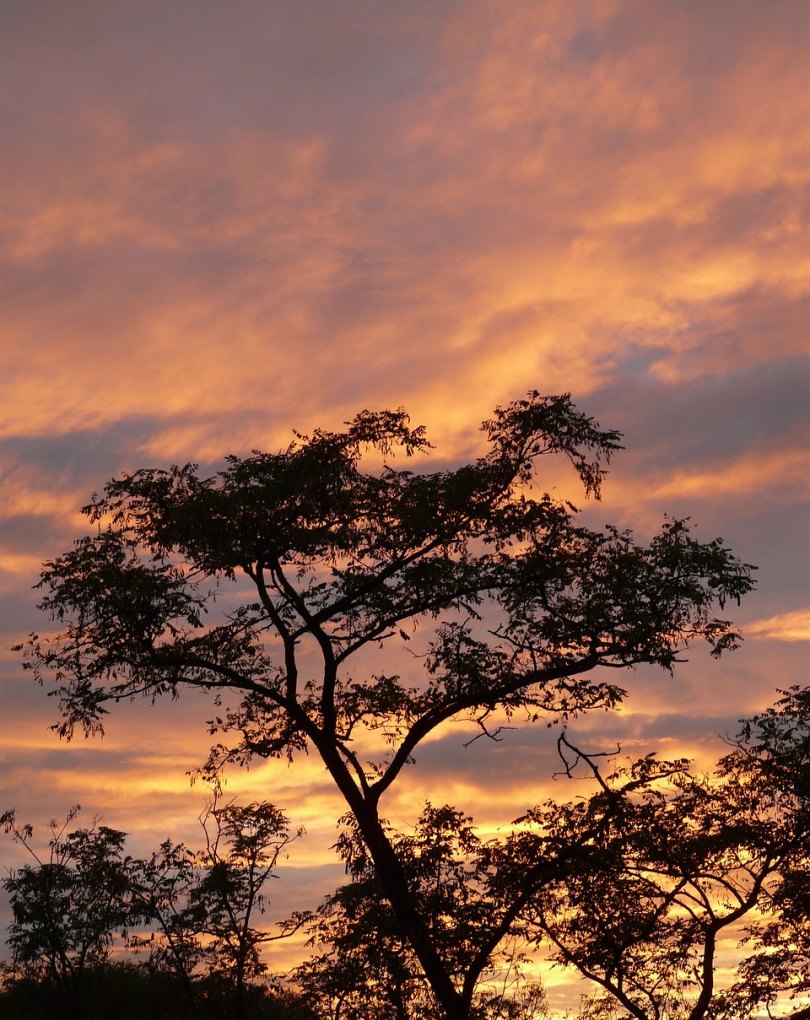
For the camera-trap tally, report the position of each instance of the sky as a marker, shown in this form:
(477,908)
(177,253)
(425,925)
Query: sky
(222,221)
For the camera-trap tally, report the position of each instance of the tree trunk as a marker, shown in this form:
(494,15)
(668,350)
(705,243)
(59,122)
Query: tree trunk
(394,882)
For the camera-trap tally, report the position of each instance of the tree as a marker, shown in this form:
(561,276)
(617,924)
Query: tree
(203,903)
(68,905)
(160,888)
(526,602)
(682,860)
(772,758)
(243,848)
(366,970)
(635,887)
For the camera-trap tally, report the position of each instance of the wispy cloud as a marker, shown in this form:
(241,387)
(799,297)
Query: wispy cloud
(793,626)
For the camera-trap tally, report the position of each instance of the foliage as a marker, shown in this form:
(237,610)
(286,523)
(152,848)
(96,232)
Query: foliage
(526,604)
(679,864)
(243,848)
(160,888)
(201,906)
(636,887)
(772,755)
(365,969)
(68,905)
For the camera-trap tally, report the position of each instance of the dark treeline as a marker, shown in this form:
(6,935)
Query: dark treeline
(123,991)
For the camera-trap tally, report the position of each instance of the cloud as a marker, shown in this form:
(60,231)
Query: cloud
(418,218)
(793,626)
(786,469)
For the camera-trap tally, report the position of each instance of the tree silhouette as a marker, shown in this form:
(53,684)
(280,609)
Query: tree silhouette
(673,861)
(202,905)
(243,847)
(634,887)
(160,887)
(364,968)
(83,896)
(68,905)
(526,603)
(771,764)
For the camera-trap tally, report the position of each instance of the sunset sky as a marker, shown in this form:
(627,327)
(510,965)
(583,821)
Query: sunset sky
(226,220)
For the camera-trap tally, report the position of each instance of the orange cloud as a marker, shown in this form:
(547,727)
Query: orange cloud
(793,626)
(518,261)
(786,469)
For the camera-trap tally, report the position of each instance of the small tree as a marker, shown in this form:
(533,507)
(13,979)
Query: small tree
(526,603)
(772,758)
(68,905)
(203,904)
(680,861)
(243,848)
(160,887)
